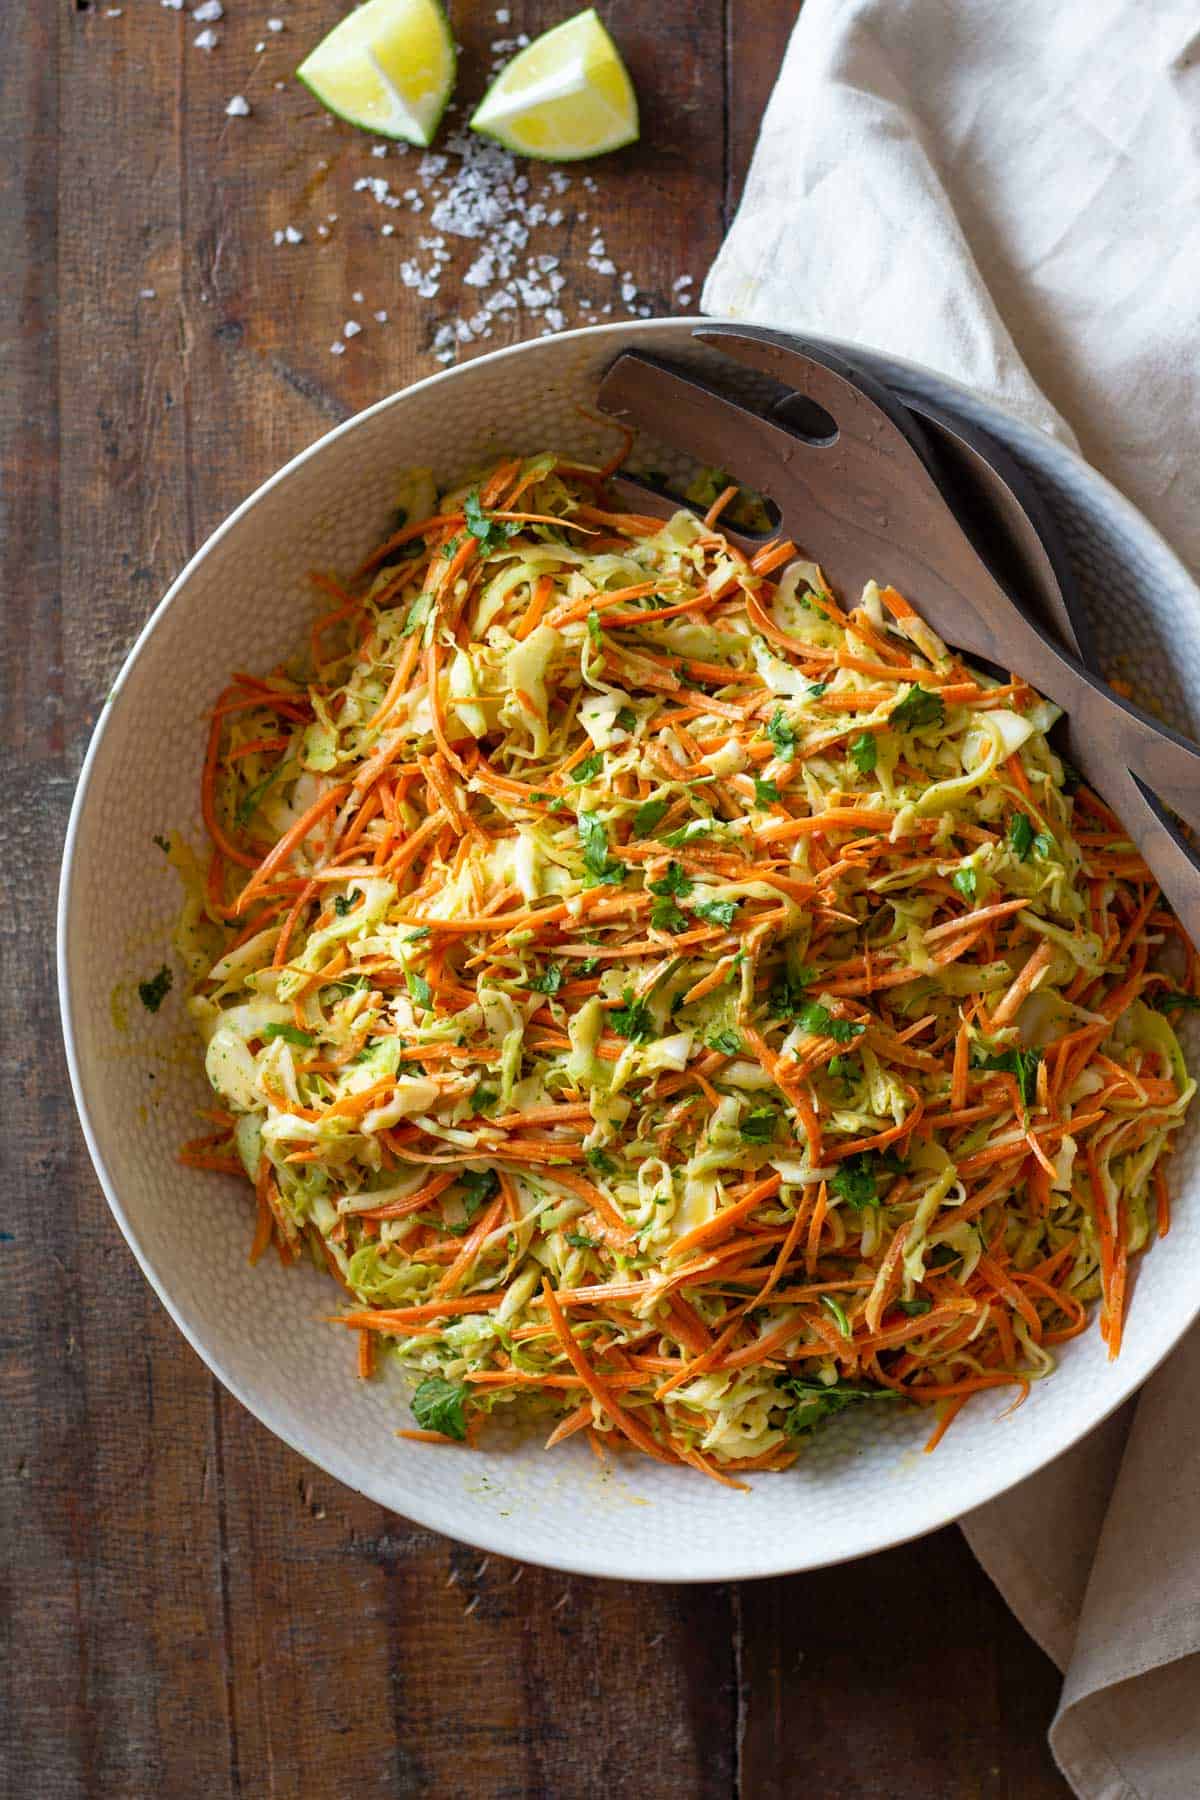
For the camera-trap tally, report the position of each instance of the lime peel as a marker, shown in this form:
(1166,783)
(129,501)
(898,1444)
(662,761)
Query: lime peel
(564,97)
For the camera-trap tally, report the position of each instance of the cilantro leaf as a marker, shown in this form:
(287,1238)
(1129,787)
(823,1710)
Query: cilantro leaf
(291,1034)
(854,1182)
(600,1161)
(967,883)
(152,993)
(595,850)
(726,1041)
(491,534)
(676,881)
(1021,1063)
(758,1127)
(549,981)
(484,1098)
(626,719)
(578,1241)
(918,708)
(1020,835)
(343,902)
(633,1020)
(812,1016)
(248,804)
(765,792)
(666,916)
(716,912)
(864,752)
(815,1402)
(782,736)
(1170,1000)
(479,1186)
(440,1405)
(647,816)
(915,1308)
(787,992)
(162,842)
(589,768)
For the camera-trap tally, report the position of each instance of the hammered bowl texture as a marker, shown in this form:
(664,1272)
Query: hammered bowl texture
(244,601)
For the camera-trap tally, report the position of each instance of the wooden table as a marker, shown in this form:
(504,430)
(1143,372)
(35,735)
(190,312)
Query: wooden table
(190,1608)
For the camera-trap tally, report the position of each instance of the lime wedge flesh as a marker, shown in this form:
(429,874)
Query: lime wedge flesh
(568,95)
(389,67)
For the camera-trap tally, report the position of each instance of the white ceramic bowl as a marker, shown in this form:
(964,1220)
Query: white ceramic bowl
(244,601)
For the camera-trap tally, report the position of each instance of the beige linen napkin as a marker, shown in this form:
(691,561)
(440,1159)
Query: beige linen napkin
(1009,191)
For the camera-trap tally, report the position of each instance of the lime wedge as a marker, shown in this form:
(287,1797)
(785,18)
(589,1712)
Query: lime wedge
(389,67)
(568,95)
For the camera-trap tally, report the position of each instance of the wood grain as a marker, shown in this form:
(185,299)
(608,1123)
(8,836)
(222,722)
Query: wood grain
(187,1607)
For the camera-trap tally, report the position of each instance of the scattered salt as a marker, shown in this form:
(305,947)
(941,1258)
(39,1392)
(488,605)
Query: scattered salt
(381,318)
(239,107)
(379,149)
(274,24)
(208,12)
(357,298)
(260,46)
(206,39)
(173,5)
(337,348)
(351,328)
(322,231)
(147,293)
(502,15)
(292,236)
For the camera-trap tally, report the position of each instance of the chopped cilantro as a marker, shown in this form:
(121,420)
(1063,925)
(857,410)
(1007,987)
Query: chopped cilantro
(716,912)
(600,1161)
(647,816)
(758,1127)
(589,768)
(666,916)
(1021,1063)
(343,902)
(249,803)
(726,1041)
(967,883)
(595,850)
(152,993)
(1171,1000)
(812,1016)
(491,534)
(589,965)
(479,1186)
(675,882)
(633,1020)
(549,981)
(854,1181)
(291,1034)
(765,792)
(915,1309)
(162,842)
(1020,835)
(484,1098)
(578,1241)
(783,738)
(815,1402)
(816,689)
(787,993)
(627,719)
(440,1405)
(864,752)
(918,708)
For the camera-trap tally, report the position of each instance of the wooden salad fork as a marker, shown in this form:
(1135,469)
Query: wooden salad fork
(845,467)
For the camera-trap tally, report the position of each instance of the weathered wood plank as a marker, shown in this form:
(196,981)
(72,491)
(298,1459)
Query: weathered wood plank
(895,1675)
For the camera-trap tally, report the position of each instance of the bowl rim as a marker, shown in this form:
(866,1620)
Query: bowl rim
(487,1533)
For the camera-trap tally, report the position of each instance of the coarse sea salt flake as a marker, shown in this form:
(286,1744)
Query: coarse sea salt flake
(274,24)
(337,348)
(381,317)
(238,107)
(357,298)
(206,39)
(208,12)
(351,328)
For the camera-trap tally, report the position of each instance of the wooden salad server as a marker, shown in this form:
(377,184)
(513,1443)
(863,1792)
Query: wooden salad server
(852,479)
